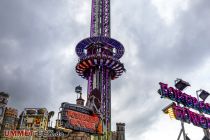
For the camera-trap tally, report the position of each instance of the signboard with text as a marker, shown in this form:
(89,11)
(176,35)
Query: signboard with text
(184,113)
(183,98)
(79,118)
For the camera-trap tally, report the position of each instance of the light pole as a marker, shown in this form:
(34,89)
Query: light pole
(203,95)
(181,85)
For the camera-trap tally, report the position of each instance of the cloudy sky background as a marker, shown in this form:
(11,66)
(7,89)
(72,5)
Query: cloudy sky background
(163,39)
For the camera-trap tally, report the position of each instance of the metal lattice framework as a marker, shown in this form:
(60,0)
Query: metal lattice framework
(100,18)
(99,58)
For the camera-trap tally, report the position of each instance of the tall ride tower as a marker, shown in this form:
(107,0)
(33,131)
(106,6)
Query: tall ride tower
(99,61)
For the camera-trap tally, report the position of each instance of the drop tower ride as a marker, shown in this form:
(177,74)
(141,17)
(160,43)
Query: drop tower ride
(99,57)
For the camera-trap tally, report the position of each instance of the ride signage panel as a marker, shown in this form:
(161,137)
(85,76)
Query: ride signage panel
(183,98)
(82,121)
(184,114)
(79,119)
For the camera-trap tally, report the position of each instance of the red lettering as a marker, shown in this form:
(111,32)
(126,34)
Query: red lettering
(83,117)
(20,133)
(86,118)
(27,133)
(70,114)
(82,120)
(90,120)
(31,133)
(13,133)
(96,119)
(93,127)
(6,133)
(82,124)
(86,124)
(73,122)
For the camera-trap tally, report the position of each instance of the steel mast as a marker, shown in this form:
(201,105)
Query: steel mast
(99,60)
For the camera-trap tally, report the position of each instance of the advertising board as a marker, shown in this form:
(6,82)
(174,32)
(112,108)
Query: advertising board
(79,118)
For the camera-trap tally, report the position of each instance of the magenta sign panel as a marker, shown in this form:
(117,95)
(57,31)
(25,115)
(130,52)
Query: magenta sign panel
(183,98)
(183,113)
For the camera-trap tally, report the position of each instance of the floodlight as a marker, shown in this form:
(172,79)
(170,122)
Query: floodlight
(180,84)
(203,94)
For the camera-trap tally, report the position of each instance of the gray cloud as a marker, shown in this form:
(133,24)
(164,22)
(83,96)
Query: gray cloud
(37,59)
(164,53)
(32,36)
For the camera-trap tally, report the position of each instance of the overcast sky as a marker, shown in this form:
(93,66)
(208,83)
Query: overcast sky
(163,40)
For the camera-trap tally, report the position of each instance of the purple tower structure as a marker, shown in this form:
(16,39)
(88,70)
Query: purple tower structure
(99,61)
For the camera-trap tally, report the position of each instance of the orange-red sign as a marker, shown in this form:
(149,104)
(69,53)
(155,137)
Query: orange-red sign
(84,121)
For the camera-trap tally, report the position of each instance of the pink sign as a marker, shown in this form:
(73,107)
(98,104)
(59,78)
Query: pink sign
(184,114)
(183,98)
